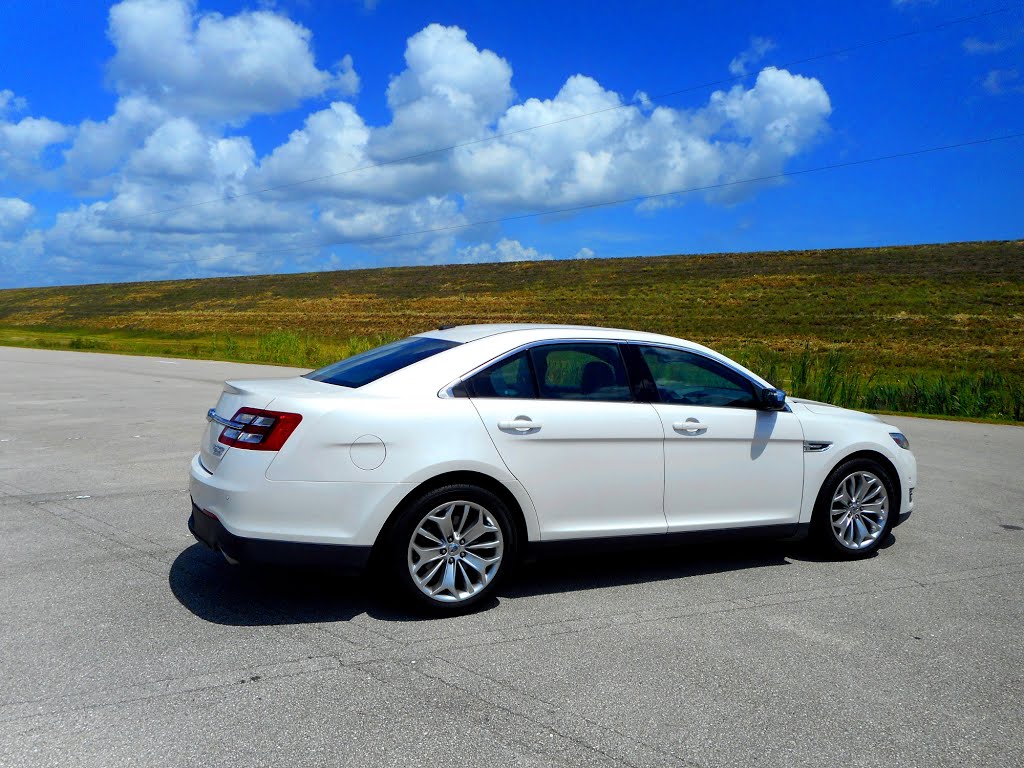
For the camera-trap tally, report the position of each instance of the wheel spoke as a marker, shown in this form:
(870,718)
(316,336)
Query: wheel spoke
(443,518)
(862,531)
(478,563)
(421,531)
(463,521)
(447,581)
(428,555)
(427,579)
(874,492)
(466,579)
(477,531)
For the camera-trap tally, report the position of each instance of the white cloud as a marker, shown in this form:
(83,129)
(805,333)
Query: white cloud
(173,192)
(450,91)
(641,98)
(757,50)
(622,153)
(100,147)
(1000,81)
(9,102)
(374,225)
(584,253)
(212,66)
(14,215)
(346,79)
(22,143)
(977,46)
(503,250)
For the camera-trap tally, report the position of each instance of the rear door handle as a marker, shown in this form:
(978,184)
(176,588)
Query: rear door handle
(519,425)
(689,426)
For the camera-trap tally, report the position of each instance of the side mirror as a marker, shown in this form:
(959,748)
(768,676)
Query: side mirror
(772,399)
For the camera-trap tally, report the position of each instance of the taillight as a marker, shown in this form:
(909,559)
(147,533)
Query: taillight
(260,430)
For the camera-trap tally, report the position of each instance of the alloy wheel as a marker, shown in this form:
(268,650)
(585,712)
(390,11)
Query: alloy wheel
(455,551)
(859,511)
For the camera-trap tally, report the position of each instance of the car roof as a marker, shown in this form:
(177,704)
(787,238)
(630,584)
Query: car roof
(467,333)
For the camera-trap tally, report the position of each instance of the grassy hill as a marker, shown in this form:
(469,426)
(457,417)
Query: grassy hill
(947,318)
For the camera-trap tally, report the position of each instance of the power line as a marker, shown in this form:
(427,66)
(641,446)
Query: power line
(666,94)
(622,201)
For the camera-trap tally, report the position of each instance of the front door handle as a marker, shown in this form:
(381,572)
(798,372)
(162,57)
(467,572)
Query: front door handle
(689,426)
(519,425)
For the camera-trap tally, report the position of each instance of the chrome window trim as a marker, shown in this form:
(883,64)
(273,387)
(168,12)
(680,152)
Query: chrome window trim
(446,392)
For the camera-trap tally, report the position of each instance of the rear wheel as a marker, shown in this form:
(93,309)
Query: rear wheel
(854,512)
(451,547)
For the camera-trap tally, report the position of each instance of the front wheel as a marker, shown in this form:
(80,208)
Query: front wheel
(450,547)
(854,511)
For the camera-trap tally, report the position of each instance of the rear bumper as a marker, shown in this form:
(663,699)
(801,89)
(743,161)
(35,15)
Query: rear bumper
(208,530)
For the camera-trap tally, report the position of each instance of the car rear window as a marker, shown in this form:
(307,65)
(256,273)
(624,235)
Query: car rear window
(374,364)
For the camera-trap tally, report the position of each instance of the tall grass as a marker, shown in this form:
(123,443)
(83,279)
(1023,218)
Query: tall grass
(305,351)
(833,378)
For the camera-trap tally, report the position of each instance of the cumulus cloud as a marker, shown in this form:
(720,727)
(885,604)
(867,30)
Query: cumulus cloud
(10,103)
(623,153)
(173,188)
(206,65)
(14,214)
(22,143)
(450,91)
(503,250)
(584,253)
(100,147)
(758,49)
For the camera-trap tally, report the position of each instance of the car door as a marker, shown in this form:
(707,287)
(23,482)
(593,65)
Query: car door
(727,463)
(564,419)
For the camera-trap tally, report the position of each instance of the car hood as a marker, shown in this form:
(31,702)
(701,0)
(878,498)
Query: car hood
(825,409)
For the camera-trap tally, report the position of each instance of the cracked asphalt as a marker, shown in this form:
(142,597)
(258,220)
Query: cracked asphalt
(123,642)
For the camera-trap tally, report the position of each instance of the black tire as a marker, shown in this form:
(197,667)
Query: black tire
(825,534)
(398,559)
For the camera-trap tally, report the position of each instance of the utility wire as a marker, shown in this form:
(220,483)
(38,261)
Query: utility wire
(624,200)
(666,94)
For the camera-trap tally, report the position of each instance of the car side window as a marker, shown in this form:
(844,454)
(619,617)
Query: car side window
(685,378)
(581,372)
(510,377)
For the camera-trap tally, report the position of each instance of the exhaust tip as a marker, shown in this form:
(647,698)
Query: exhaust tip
(230,560)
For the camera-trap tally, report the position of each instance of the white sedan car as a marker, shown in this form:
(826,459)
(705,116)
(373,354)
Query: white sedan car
(450,455)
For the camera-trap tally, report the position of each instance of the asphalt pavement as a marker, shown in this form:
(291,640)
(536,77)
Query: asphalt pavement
(124,643)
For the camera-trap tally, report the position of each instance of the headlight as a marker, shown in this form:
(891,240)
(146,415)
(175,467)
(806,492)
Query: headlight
(900,439)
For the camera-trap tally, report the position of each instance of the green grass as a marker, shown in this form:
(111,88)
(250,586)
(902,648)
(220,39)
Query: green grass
(925,329)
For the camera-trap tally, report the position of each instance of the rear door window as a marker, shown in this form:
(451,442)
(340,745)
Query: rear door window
(584,371)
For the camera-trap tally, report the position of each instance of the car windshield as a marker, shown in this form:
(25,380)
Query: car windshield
(377,363)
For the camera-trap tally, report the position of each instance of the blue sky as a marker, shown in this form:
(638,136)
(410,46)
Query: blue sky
(127,131)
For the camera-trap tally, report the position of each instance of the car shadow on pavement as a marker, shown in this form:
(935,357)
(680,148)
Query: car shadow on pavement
(221,593)
(582,570)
